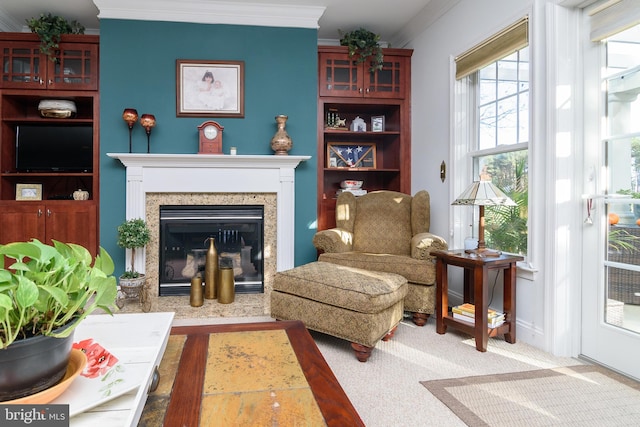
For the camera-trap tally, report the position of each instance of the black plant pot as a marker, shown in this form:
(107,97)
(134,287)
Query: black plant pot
(31,365)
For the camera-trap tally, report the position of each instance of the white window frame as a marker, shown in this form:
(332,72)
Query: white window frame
(463,150)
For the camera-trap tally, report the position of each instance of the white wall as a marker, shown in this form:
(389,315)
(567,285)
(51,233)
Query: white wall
(544,320)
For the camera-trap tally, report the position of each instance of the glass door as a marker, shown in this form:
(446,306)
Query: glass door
(611,286)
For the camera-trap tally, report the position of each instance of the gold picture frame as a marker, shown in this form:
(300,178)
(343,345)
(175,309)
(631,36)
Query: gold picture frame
(28,191)
(347,155)
(209,88)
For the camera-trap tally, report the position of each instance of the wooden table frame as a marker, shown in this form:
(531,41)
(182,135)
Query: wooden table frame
(184,407)
(476,278)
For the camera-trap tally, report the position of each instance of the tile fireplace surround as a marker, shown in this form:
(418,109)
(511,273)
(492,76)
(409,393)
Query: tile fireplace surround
(182,179)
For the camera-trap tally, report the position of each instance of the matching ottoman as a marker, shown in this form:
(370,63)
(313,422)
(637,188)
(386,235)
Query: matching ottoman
(356,305)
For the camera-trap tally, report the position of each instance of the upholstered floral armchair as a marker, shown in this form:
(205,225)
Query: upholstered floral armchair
(387,231)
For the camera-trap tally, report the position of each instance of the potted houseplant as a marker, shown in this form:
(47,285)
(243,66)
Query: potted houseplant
(133,234)
(45,292)
(49,29)
(363,44)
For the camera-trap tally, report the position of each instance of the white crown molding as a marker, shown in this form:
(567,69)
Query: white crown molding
(212,12)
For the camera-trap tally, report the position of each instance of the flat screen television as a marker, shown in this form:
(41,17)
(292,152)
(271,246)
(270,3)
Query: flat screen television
(54,148)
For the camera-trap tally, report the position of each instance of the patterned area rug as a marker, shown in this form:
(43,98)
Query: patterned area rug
(583,395)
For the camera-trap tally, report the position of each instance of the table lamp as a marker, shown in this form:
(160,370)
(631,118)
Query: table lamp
(483,193)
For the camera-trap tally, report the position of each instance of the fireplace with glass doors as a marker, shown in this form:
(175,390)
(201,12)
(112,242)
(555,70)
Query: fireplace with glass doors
(185,231)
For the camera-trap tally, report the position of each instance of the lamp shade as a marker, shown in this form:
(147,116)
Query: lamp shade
(483,193)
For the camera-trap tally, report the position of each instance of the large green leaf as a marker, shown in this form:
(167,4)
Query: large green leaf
(19,250)
(26,293)
(5,302)
(58,294)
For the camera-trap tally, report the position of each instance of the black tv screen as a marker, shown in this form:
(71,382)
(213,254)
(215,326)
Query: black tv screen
(54,148)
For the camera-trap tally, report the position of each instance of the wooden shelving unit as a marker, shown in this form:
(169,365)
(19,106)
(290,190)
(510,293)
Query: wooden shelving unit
(349,91)
(27,77)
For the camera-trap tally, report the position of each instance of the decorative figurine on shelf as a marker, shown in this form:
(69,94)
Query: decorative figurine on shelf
(334,121)
(80,194)
(358,125)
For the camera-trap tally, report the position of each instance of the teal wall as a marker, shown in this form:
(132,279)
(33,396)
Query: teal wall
(137,70)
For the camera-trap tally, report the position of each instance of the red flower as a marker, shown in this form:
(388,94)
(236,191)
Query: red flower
(99,360)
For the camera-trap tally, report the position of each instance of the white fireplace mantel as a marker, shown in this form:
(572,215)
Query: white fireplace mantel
(213,173)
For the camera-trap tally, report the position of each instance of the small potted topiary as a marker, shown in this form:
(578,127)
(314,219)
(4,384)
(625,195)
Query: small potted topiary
(132,234)
(49,29)
(362,44)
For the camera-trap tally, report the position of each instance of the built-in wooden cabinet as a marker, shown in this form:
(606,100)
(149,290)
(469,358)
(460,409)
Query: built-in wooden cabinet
(65,221)
(25,67)
(28,77)
(342,76)
(349,91)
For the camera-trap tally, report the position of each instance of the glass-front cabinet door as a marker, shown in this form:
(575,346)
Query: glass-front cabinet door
(74,65)
(75,68)
(340,76)
(21,65)
(388,82)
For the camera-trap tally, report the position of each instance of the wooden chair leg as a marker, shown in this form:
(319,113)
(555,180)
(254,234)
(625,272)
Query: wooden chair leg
(390,334)
(362,352)
(420,319)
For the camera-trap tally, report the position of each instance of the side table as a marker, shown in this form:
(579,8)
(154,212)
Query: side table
(476,291)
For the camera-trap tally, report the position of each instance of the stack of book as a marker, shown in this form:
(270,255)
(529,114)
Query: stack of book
(467,313)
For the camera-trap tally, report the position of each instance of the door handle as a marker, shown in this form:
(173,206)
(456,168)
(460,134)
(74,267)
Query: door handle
(39,212)
(48,212)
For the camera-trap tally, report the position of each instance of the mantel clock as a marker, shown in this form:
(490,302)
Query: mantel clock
(210,138)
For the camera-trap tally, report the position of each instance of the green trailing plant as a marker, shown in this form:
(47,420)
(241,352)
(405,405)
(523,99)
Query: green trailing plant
(363,44)
(51,286)
(49,29)
(133,234)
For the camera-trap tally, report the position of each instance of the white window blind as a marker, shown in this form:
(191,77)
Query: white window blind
(504,43)
(612,16)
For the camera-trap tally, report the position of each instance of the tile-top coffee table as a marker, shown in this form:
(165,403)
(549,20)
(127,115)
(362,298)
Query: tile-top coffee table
(139,341)
(268,373)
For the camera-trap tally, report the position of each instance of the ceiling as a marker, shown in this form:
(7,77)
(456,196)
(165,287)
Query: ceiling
(383,17)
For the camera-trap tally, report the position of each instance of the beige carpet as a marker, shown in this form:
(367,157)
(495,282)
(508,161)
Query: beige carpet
(582,395)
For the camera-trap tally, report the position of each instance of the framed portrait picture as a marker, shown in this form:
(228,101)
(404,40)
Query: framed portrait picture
(209,88)
(28,191)
(349,155)
(377,123)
